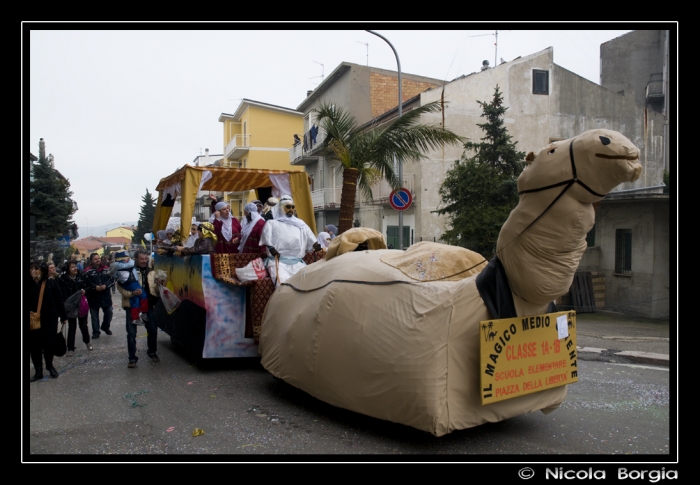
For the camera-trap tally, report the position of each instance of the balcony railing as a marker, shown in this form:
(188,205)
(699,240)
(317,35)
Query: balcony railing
(307,146)
(326,198)
(330,198)
(238,145)
(655,86)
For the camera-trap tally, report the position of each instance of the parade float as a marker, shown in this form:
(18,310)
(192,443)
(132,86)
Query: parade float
(218,315)
(435,337)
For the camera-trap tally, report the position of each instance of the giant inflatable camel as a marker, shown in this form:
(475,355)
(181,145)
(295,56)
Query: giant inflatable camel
(395,335)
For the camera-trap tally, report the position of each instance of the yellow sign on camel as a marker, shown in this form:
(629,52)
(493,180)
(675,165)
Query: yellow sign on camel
(527,354)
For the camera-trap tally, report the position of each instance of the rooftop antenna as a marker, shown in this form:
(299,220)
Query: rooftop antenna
(495,56)
(321,76)
(367,44)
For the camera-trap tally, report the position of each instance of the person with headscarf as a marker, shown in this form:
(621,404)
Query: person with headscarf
(194,234)
(332,230)
(268,209)
(204,244)
(169,233)
(226,227)
(287,239)
(324,239)
(259,205)
(161,237)
(251,230)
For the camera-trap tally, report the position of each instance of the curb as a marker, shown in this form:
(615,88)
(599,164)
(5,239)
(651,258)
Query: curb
(642,357)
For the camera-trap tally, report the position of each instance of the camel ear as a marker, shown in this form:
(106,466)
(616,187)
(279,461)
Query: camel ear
(530,158)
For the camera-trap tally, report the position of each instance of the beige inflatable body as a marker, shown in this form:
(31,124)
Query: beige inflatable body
(395,335)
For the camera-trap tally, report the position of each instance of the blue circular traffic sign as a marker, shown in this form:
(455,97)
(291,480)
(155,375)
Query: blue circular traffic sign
(400,199)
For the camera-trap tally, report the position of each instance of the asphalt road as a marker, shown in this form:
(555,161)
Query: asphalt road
(234,410)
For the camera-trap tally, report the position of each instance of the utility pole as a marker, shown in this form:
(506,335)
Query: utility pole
(396,160)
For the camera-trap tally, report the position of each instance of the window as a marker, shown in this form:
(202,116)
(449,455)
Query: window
(540,81)
(623,251)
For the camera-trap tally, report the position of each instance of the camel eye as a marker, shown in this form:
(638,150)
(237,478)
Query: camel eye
(552,151)
(605,140)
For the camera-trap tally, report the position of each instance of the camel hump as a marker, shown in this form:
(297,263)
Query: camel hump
(429,261)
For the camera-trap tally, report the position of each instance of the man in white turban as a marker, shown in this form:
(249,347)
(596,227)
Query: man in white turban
(287,239)
(251,230)
(226,227)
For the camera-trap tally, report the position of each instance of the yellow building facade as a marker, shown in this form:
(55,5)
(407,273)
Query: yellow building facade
(122,231)
(258,135)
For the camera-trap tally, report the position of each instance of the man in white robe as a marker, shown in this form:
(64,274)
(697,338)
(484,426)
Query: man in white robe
(288,239)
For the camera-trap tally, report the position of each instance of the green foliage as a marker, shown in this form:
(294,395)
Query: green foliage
(44,247)
(479,192)
(372,151)
(146,216)
(51,203)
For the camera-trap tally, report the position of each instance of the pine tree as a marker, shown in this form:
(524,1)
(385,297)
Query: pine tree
(51,202)
(479,192)
(146,216)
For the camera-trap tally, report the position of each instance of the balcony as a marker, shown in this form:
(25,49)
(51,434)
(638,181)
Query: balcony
(237,147)
(306,151)
(655,87)
(326,198)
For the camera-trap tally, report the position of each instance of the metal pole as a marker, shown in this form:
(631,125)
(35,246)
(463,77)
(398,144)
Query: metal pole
(397,160)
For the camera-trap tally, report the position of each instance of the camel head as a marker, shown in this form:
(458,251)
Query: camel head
(596,162)
(544,238)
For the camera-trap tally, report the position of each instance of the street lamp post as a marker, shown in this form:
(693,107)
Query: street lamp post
(397,161)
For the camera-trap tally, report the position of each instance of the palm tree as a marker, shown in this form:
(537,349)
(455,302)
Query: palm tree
(368,155)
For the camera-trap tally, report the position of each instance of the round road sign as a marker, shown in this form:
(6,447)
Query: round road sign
(400,199)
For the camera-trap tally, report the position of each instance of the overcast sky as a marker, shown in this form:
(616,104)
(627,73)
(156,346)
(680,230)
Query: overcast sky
(120,109)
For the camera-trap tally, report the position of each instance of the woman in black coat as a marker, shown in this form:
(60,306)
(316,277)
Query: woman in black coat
(71,281)
(42,339)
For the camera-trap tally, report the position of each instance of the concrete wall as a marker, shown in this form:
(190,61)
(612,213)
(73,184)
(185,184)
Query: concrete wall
(573,106)
(628,61)
(583,105)
(645,292)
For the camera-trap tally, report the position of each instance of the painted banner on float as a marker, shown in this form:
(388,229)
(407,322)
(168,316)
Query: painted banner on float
(523,355)
(191,279)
